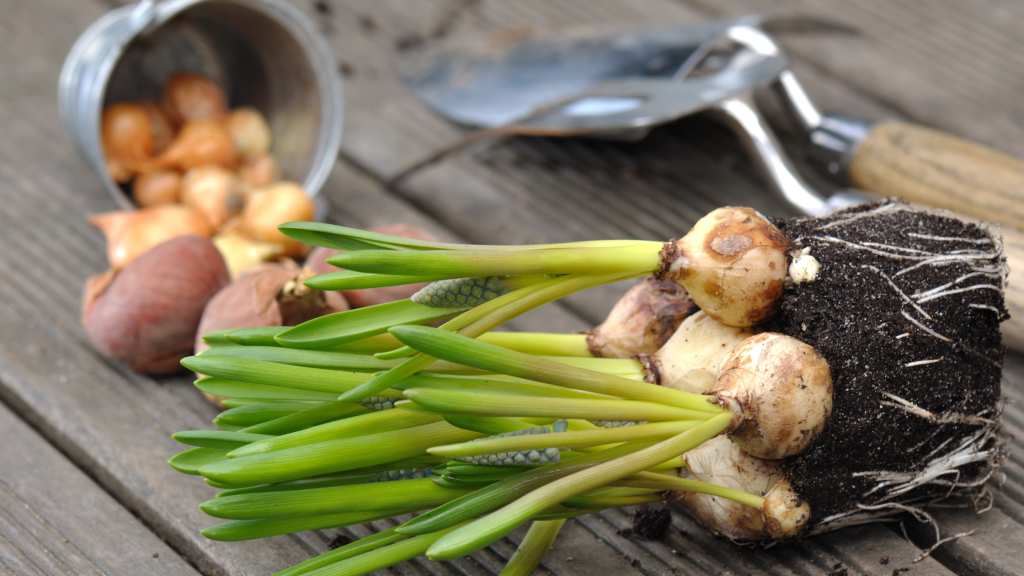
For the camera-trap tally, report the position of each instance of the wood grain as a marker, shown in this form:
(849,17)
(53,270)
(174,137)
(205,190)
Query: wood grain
(54,520)
(927,166)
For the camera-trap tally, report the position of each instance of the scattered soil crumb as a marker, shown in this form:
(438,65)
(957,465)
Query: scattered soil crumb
(346,69)
(625,532)
(322,8)
(897,571)
(884,561)
(339,541)
(839,570)
(651,523)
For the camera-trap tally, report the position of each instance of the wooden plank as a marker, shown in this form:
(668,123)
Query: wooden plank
(941,63)
(387,140)
(55,520)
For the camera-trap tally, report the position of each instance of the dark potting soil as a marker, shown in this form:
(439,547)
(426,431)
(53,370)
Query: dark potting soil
(870,314)
(651,523)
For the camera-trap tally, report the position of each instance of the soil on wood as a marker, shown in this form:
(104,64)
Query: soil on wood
(906,308)
(651,523)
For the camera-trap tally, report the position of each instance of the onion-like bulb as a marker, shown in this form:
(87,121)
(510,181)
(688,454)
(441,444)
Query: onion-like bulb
(127,137)
(249,130)
(156,188)
(199,142)
(689,360)
(159,126)
(268,208)
(780,392)
(258,170)
(721,462)
(188,96)
(241,252)
(215,193)
(785,514)
(642,320)
(130,234)
(733,264)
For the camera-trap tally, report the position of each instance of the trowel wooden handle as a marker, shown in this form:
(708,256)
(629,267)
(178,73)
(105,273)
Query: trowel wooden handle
(929,167)
(1013,329)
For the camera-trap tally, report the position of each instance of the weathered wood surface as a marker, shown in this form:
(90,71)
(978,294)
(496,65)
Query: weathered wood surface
(936,63)
(56,520)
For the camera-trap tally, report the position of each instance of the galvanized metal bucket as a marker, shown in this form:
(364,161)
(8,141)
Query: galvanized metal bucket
(263,53)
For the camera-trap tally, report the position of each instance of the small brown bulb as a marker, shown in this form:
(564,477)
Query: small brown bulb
(259,170)
(733,264)
(642,320)
(780,392)
(199,142)
(249,130)
(215,193)
(127,135)
(188,96)
(268,208)
(156,188)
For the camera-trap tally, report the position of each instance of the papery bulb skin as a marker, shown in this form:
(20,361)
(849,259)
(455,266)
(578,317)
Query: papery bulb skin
(780,391)
(690,359)
(733,264)
(721,462)
(784,513)
(642,320)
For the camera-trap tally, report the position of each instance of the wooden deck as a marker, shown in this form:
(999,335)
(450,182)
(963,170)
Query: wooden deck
(84,484)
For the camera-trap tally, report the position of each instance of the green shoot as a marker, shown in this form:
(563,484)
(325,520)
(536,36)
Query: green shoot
(218,439)
(307,418)
(505,491)
(246,390)
(582,439)
(539,539)
(259,413)
(397,495)
(458,348)
(479,534)
(190,461)
(356,548)
(334,455)
(361,425)
(344,238)
(478,404)
(352,325)
(251,529)
(636,259)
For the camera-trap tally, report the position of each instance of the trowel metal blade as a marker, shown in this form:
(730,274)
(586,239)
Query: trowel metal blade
(498,83)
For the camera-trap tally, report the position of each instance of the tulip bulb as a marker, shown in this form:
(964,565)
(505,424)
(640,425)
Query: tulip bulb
(130,234)
(215,193)
(249,130)
(272,206)
(241,252)
(188,96)
(127,137)
(780,391)
(258,170)
(199,142)
(156,188)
